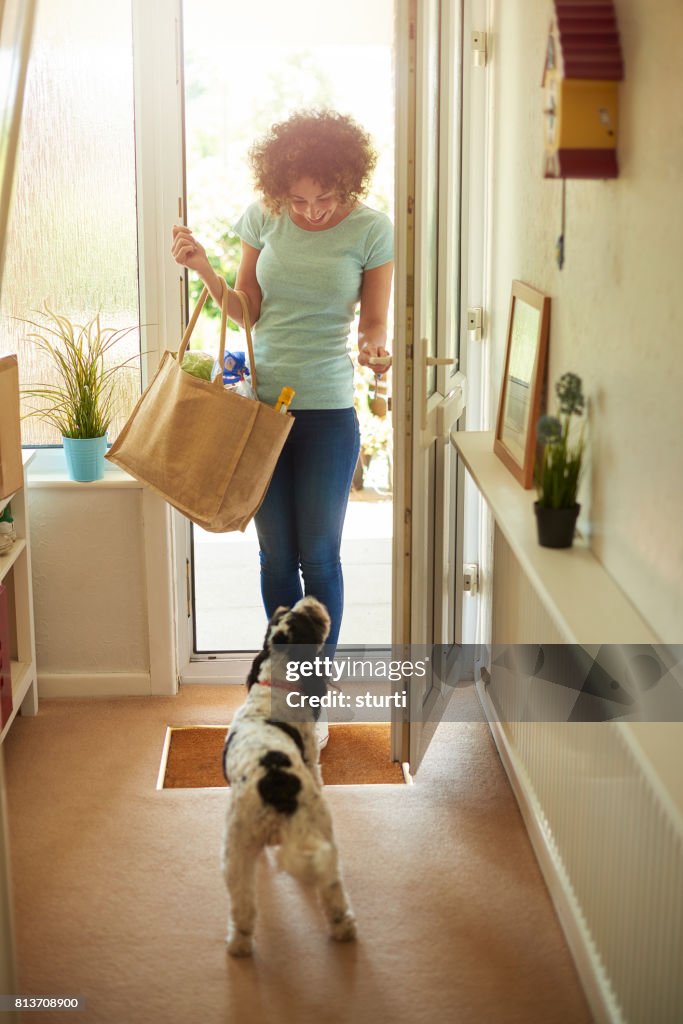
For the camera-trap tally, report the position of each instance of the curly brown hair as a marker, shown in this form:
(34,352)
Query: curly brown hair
(327,147)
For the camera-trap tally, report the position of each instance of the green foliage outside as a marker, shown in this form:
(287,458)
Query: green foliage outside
(219,186)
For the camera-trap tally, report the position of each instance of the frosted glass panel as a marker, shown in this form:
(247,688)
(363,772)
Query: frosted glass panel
(72,236)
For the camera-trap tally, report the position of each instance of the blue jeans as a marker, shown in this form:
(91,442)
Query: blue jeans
(299,524)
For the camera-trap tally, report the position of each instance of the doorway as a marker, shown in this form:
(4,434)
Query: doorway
(244,69)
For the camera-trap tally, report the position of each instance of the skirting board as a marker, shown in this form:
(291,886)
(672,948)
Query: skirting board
(94,684)
(593,978)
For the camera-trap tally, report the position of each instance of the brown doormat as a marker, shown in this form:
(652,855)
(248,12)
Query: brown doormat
(355,755)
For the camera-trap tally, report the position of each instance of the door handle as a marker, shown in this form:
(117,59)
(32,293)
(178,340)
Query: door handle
(449,414)
(452,407)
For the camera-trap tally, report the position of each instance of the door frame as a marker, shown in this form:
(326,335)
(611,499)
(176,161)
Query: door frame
(408,405)
(163,305)
(159,176)
(447,622)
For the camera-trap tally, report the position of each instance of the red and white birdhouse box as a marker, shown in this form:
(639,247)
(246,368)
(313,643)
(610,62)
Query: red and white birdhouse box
(583,67)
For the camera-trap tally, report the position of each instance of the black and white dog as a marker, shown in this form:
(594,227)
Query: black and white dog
(271,761)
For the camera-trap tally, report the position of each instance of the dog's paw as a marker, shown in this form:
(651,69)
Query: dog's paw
(344,930)
(239,944)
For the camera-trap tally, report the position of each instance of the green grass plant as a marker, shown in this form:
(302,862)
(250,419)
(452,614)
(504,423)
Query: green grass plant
(81,401)
(558,468)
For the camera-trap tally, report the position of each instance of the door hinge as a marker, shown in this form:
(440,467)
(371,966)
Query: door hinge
(188,587)
(475,318)
(470,578)
(479,54)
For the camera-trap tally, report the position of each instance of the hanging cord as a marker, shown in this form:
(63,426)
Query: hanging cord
(559,248)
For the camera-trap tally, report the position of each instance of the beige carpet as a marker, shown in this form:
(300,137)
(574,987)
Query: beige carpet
(119,896)
(354,755)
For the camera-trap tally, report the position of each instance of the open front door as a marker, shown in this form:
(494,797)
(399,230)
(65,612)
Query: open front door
(429,386)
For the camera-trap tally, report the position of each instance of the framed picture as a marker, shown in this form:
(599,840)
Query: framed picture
(16,28)
(523,381)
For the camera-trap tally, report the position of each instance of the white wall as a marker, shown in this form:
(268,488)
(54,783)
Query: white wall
(617,317)
(90,588)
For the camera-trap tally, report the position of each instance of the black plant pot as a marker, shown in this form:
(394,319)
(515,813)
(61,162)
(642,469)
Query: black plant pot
(556,525)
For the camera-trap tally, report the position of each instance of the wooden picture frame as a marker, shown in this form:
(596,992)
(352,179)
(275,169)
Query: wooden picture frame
(523,381)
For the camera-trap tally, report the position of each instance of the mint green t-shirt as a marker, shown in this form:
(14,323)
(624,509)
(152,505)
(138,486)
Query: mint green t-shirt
(311,283)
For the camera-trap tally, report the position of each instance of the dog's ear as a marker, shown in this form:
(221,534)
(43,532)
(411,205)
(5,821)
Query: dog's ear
(256,668)
(273,634)
(277,615)
(279,627)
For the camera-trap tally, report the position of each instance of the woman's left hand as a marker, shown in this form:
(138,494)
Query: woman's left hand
(368,351)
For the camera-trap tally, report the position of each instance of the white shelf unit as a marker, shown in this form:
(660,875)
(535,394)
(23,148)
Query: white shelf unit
(15,575)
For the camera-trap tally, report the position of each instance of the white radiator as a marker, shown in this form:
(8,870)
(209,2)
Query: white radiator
(608,841)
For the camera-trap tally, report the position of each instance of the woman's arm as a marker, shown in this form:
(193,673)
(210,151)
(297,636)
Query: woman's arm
(246,280)
(190,253)
(374,307)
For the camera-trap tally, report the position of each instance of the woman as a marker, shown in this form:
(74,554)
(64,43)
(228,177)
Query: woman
(311,250)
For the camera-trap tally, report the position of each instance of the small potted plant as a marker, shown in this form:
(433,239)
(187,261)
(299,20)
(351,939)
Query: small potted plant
(81,399)
(558,466)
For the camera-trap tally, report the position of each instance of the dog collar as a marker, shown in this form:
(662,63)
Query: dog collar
(276,685)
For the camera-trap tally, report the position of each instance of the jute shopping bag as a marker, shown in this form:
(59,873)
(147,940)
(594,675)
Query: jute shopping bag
(209,452)
(11,465)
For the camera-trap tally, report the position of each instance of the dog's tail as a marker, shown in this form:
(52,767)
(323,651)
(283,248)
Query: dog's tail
(311,859)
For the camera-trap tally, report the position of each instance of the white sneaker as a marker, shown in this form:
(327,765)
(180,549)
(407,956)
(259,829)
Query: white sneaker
(322,730)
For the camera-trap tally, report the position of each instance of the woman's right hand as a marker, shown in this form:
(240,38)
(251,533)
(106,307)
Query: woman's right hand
(187,251)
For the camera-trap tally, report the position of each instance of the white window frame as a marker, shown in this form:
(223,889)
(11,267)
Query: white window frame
(160,171)
(159,177)
(159,123)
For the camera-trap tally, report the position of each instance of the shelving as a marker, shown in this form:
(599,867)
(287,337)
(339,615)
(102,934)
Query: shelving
(586,605)
(15,576)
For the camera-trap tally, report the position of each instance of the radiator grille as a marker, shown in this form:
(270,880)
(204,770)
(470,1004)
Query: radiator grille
(617,848)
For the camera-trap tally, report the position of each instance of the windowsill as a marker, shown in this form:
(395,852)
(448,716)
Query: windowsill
(48,470)
(585,603)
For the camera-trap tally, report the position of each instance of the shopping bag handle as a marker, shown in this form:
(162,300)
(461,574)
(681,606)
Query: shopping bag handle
(185,341)
(247,330)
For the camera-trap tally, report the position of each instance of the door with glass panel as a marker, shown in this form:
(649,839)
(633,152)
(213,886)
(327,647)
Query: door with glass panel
(429,108)
(305,56)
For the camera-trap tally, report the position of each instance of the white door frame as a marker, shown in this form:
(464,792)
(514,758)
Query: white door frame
(454,616)
(424,323)
(411,597)
(160,168)
(159,183)
(159,143)
(478,169)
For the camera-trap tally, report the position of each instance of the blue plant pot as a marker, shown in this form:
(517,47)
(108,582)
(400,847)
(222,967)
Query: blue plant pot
(85,457)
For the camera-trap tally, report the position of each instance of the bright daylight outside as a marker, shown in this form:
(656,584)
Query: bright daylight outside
(246,67)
